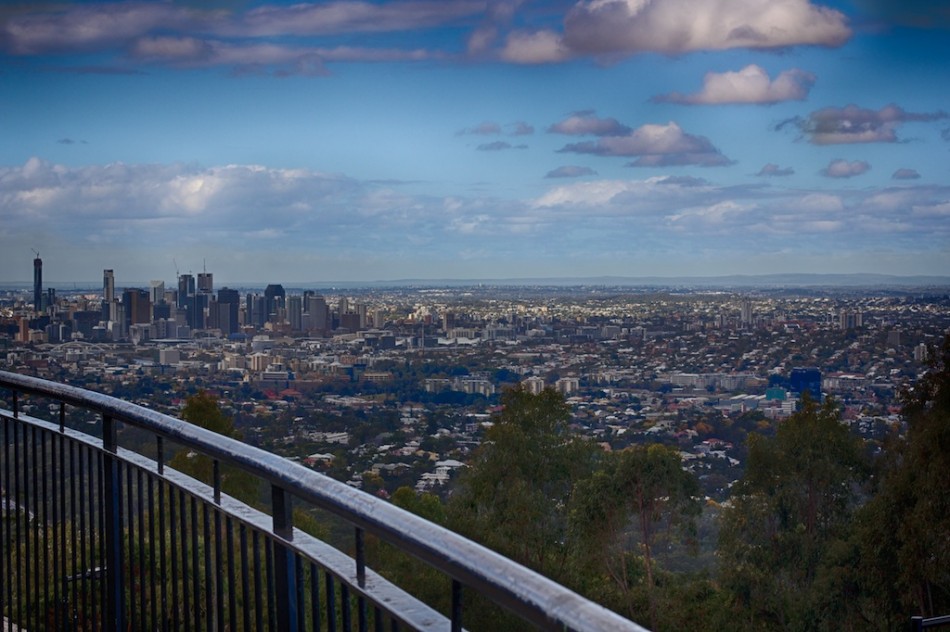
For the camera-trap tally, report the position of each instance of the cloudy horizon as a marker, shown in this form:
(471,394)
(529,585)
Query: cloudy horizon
(366,141)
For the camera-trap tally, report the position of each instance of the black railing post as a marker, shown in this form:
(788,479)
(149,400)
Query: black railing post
(284,566)
(112,496)
(916,624)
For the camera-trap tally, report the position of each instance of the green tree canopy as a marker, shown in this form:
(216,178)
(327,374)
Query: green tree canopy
(796,498)
(514,496)
(619,509)
(201,409)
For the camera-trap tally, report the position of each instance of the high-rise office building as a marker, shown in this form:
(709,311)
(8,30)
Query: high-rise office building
(138,306)
(205,283)
(316,307)
(108,286)
(108,295)
(157,290)
(186,289)
(227,307)
(38,283)
(274,297)
(295,312)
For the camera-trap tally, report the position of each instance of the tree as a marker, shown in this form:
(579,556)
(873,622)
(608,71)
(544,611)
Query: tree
(634,493)
(514,496)
(795,500)
(201,409)
(903,539)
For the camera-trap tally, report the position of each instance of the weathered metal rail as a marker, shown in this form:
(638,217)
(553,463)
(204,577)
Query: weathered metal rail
(94,536)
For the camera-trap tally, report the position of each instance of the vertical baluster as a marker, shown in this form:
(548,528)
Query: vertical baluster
(112,499)
(74,484)
(44,505)
(209,582)
(185,597)
(173,536)
(315,596)
(456,606)
(331,602)
(57,519)
(301,592)
(361,578)
(29,552)
(18,562)
(130,531)
(232,585)
(144,565)
(258,590)
(195,567)
(153,561)
(98,557)
(245,579)
(345,610)
(286,577)
(65,490)
(271,598)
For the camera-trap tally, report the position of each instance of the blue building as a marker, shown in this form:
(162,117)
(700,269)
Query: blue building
(806,379)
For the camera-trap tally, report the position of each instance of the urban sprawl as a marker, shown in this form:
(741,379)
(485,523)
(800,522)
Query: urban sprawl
(389,387)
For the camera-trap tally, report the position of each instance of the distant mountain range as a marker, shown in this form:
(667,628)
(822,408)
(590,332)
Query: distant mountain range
(790,280)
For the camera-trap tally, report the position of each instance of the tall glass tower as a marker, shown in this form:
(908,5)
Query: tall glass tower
(38,284)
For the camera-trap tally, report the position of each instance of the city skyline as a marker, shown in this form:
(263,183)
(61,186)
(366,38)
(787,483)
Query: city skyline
(372,141)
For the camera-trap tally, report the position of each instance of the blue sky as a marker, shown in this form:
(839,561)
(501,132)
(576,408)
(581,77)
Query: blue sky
(358,141)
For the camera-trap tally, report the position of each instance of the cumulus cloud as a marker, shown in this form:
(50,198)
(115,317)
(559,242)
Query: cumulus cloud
(499,145)
(176,208)
(520,128)
(771,169)
(250,41)
(92,27)
(347,16)
(587,123)
(749,85)
(654,146)
(570,171)
(485,128)
(630,26)
(853,124)
(844,169)
(906,174)
(537,47)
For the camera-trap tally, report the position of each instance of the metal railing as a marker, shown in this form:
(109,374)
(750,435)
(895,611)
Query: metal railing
(95,536)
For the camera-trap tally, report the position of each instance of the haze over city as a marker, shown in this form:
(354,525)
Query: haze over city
(357,141)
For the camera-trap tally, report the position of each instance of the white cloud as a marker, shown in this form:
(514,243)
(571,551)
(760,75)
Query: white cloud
(602,27)
(906,174)
(771,169)
(587,123)
(654,146)
(570,171)
(88,216)
(485,128)
(853,124)
(843,169)
(749,85)
(538,47)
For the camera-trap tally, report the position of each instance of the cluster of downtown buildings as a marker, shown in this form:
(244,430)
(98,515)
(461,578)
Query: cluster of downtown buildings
(194,308)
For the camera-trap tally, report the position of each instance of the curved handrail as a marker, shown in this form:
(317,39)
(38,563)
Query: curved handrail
(548,604)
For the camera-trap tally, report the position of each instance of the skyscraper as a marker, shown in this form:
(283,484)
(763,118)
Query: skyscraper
(205,283)
(108,286)
(108,294)
(38,283)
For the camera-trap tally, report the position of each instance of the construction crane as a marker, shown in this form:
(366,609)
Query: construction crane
(36,252)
